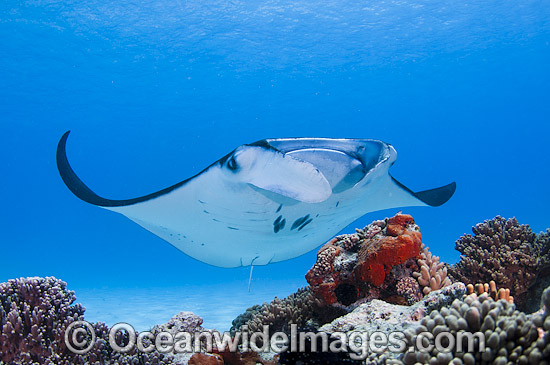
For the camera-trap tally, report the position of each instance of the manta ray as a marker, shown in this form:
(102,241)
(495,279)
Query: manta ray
(267,201)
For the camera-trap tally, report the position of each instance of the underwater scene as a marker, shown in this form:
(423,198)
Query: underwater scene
(275,182)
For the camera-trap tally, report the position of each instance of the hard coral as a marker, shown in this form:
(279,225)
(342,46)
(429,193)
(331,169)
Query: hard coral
(409,289)
(34,315)
(432,274)
(491,289)
(501,250)
(510,336)
(542,244)
(351,267)
(378,316)
(297,308)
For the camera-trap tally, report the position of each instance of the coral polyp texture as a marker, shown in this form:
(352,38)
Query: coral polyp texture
(34,315)
(491,289)
(432,274)
(510,336)
(368,263)
(501,250)
(380,278)
(297,309)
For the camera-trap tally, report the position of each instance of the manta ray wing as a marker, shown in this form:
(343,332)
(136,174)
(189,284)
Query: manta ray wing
(268,201)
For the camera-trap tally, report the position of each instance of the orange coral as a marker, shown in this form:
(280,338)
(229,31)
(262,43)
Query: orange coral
(491,289)
(401,243)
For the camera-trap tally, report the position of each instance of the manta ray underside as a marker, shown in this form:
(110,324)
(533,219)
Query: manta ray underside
(267,201)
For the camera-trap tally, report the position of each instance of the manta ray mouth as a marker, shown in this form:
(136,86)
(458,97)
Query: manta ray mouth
(343,162)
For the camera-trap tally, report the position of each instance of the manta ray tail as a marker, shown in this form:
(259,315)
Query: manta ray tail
(250,278)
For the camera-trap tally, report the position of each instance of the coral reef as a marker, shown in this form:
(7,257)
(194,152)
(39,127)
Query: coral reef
(367,264)
(501,250)
(34,314)
(380,278)
(378,315)
(187,322)
(409,289)
(297,308)
(542,244)
(432,274)
(510,336)
(491,290)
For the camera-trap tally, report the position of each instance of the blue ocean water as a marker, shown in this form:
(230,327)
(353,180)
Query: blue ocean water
(154,91)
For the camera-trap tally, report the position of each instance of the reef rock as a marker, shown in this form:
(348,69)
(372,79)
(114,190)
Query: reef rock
(379,316)
(367,264)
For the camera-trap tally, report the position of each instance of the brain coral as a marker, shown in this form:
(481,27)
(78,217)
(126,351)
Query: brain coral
(501,250)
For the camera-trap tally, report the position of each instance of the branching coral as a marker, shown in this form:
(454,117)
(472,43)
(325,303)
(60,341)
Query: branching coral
(432,274)
(297,308)
(500,250)
(34,315)
(542,245)
(491,290)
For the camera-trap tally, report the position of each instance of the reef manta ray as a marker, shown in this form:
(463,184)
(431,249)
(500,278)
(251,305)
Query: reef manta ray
(267,201)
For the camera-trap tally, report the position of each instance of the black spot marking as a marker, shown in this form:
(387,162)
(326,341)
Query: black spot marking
(298,222)
(202,244)
(337,204)
(305,224)
(236,229)
(279,224)
(279,209)
(206,211)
